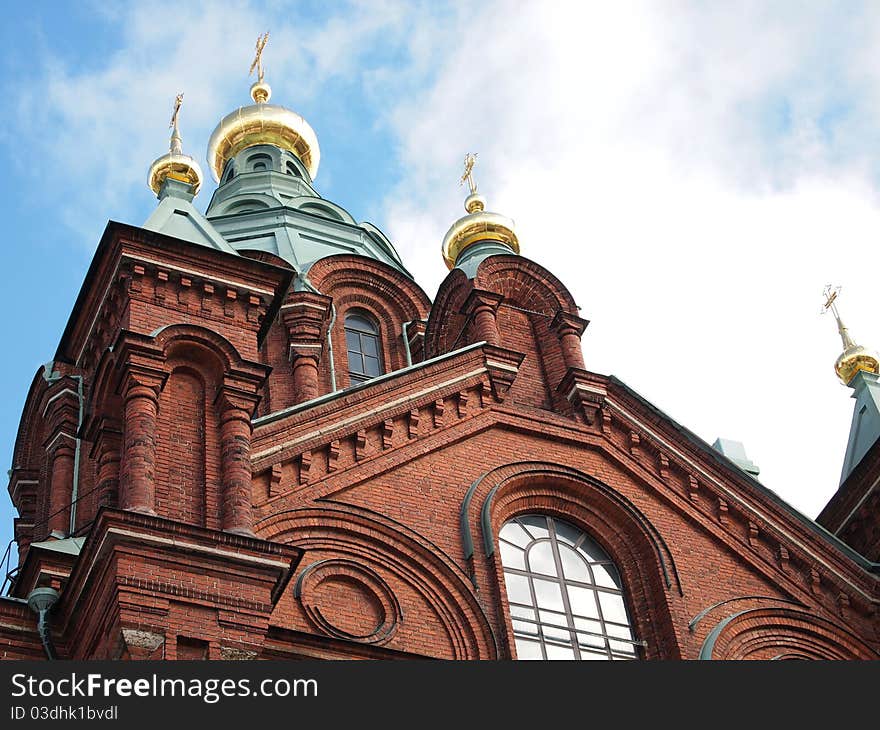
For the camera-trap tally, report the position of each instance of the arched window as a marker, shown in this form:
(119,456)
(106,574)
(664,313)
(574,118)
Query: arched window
(291,169)
(260,162)
(565,594)
(362,343)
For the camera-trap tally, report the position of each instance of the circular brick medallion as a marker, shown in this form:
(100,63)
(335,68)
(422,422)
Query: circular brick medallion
(349,601)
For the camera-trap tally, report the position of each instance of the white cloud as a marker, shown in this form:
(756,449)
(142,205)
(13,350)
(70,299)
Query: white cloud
(690,174)
(695,173)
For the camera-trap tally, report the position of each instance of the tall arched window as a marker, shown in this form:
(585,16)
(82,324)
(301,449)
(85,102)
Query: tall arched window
(565,593)
(362,343)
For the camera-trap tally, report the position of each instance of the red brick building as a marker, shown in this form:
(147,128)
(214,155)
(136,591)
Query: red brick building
(259,438)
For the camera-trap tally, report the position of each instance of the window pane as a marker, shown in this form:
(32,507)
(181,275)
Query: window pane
(612,607)
(589,655)
(549,594)
(518,588)
(371,366)
(526,649)
(541,559)
(573,565)
(370,345)
(524,627)
(559,652)
(623,632)
(606,576)
(592,550)
(587,625)
(536,526)
(355,363)
(512,557)
(359,323)
(622,647)
(352,341)
(512,532)
(522,612)
(590,641)
(583,601)
(568,534)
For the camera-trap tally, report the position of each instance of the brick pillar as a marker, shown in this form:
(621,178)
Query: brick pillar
(305,372)
(235,467)
(108,455)
(61,456)
(137,489)
(481,306)
(569,328)
(306,316)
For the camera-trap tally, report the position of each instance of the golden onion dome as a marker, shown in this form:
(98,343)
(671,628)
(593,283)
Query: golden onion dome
(853,360)
(262,123)
(175,164)
(478,225)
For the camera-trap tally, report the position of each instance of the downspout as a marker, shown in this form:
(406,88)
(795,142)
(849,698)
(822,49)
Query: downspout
(74,491)
(406,341)
(40,601)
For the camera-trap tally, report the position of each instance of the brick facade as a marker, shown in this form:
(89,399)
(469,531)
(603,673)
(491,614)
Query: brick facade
(240,498)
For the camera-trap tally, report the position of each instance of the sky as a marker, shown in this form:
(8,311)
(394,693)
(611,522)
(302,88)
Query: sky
(694,172)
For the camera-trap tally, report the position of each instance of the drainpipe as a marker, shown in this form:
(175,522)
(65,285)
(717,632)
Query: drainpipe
(406,342)
(74,491)
(40,601)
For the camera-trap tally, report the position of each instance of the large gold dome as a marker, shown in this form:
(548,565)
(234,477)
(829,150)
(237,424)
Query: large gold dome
(262,123)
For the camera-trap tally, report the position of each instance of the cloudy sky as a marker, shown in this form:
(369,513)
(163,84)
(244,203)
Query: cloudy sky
(694,172)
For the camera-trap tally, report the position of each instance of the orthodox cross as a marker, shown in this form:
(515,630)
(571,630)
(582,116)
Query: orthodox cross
(177,104)
(469,160)
(258,59)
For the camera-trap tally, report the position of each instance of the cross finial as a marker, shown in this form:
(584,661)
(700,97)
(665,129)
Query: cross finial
(178,102)
(469,159)
(830,293)
(258,59)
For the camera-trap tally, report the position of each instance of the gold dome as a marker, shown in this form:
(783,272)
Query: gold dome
(853,360)
(177,167)
(262,123)
(175,164)
(478,225)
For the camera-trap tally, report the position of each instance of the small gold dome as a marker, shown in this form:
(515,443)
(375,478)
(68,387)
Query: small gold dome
(478,225)
(262,123)
(855,359)
(177,167)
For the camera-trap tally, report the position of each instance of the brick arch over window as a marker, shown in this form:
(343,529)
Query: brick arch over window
(777,632)
(441,614)
(391,298)
(650,577)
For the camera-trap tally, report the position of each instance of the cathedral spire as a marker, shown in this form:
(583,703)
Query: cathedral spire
(854,358)
(175,173)
(480,233)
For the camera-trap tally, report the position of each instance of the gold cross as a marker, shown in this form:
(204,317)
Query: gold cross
(177,104)
(468,177)
(258,59)
(830,294)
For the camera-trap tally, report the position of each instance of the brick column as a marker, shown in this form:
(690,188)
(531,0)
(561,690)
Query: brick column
(569,328)
(137,489)
(108,455)
(305,372)
(481,306)
(306,316)
(235,466)
(61,456)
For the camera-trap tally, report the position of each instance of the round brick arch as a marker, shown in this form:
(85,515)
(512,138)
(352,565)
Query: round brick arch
(781,633)
(402,560)
(645,563)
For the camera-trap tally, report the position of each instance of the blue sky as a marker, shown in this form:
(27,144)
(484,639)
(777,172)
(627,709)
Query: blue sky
(694,172)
